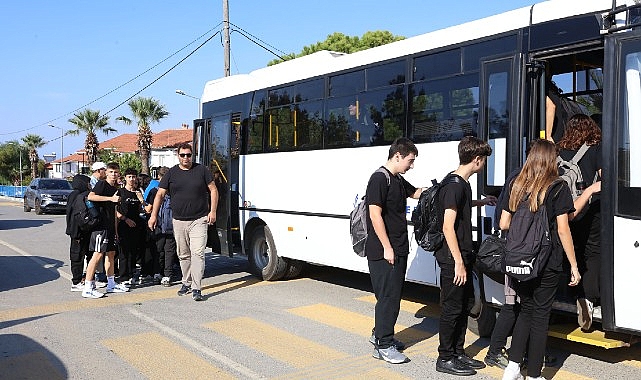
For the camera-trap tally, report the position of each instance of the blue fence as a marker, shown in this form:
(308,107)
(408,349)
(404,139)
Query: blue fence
(12,191)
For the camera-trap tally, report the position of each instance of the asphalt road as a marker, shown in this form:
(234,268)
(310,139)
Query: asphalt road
(314,327)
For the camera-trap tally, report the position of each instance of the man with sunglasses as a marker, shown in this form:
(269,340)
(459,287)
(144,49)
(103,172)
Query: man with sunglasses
(193,202)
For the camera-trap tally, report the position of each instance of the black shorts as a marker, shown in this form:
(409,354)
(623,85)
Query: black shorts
(102,241)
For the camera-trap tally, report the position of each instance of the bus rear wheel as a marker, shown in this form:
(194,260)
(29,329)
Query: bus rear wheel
(263,257)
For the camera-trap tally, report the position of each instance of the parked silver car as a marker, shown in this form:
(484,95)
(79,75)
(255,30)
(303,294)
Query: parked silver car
(47,195)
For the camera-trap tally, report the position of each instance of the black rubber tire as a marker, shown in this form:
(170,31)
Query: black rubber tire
(37,207)
(484,324)
(25,205)
(263,256)
(294,268)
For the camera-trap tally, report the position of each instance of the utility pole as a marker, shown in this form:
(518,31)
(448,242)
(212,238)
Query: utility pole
(226,35)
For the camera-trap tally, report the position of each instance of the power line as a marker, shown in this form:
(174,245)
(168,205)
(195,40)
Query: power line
(259,42)
(126,83)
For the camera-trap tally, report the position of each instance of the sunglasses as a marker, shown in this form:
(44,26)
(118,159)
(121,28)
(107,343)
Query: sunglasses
(184,154)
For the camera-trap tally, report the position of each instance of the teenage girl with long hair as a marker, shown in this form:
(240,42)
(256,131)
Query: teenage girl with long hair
(536,184)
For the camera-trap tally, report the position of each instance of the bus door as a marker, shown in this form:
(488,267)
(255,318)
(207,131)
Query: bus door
(621,189)
(499,125)
(219,165)
(201,131)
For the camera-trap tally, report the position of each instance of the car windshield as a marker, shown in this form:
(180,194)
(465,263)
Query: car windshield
(55,185)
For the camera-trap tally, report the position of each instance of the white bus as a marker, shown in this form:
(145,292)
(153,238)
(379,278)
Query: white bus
(292,145)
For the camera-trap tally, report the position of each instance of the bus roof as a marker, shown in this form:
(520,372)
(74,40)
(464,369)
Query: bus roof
(324,62)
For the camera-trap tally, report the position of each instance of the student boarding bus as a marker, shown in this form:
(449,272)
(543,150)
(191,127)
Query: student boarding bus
(292,146)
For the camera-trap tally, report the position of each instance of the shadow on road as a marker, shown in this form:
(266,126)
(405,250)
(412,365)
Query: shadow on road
(22,272)
(24,358)
(23,223)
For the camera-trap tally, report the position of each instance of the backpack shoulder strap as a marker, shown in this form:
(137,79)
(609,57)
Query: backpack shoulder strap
(384,171)
(579,154)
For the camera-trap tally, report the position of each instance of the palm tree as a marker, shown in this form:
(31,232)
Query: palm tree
(33,143)
(146,111)
(90,122)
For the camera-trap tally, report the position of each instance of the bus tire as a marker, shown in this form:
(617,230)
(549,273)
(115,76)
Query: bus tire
(294,268)
(484,324)
(263,257)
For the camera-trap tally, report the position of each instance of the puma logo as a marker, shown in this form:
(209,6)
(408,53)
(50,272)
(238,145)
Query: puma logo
(530,264)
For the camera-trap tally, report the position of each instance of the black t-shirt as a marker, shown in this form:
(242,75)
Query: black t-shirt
(558,201)
(188,191)
(457,196)
(392,199)
(107,209)
(130,206)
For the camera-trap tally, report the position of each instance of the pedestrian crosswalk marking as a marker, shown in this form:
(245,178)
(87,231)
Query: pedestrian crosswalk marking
(354,323)
(418,309)
(350,367)
(132,297)
(159,358)
(277,343)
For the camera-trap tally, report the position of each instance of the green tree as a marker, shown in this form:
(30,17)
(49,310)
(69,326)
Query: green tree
(33,143)
(89,122)
(145,111)
(345,44)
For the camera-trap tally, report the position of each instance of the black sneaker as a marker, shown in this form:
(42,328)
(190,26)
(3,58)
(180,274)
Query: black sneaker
(500,360)
(472,363)
(184,290)
(454,367)
(195,294)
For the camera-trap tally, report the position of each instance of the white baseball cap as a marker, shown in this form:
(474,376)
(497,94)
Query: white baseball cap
(98,165)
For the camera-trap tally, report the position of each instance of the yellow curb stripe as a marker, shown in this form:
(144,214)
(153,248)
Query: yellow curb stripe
(157,357)
(278,344)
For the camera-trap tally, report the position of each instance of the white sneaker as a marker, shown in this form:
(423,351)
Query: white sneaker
(100,284)
(166,281)
(512,372)
(79,287)
(535,378)
(118,288)
(93,293)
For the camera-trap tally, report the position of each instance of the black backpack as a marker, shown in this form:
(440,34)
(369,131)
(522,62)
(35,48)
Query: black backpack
(427,216)
(358,222)
(86,215)
(528,243)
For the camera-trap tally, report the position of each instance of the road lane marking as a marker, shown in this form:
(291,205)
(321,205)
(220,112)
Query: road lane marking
(157,357)
(184,339)
(131,297)
(43,264)
(276,343)
(32,365)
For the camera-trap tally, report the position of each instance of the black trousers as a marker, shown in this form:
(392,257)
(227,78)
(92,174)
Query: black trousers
(537,296)
(456,303)
(166,248)
(503,328)
(131,250)
(78,253)
(586,235)
(387,282)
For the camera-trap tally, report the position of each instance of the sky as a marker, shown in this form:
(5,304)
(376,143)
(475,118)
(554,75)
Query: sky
(59,57)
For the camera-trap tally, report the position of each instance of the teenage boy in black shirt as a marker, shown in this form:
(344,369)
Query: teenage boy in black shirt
(456,258)
(387,245)
(103,240)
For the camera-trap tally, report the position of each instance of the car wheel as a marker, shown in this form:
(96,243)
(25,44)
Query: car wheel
(26,207)
(37,207)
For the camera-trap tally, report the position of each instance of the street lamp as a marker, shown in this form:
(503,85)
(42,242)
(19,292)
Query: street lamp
(62,150)
(181,92)
(20,154)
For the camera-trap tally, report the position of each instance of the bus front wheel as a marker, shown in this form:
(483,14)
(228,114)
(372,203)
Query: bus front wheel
(263,257)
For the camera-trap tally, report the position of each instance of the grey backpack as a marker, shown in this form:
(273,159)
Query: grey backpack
(358,222)
(570,172)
